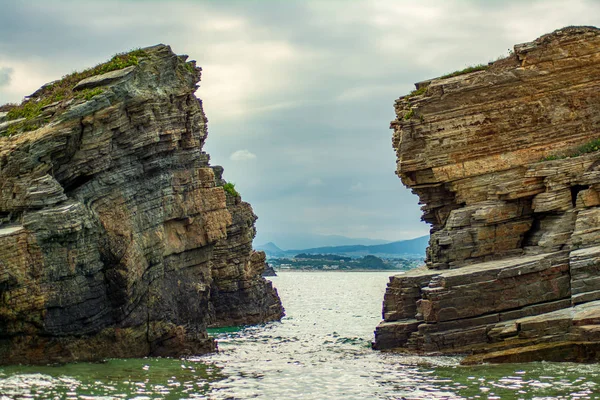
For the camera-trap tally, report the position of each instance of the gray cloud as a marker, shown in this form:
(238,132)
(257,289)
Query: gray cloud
(5,76)
(242,155)
(308,86)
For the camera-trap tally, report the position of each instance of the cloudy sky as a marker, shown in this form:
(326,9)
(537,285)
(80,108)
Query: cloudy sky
(299,94)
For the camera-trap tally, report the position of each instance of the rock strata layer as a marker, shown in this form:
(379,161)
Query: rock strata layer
(117,238)
(505,163)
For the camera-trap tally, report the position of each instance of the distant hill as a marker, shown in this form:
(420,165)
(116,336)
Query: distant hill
(412,246)
(299,240)
(271,249)
(415,246)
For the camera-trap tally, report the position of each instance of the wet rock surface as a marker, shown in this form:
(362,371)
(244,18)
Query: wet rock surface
(497,161)
(116,237)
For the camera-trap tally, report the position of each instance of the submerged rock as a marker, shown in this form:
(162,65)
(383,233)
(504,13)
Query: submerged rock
(504,158)
(116,236)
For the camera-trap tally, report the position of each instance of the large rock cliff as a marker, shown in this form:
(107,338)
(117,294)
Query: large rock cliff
(117,238)
(505,161)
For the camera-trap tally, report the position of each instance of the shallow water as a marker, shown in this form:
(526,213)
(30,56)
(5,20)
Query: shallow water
(321,350)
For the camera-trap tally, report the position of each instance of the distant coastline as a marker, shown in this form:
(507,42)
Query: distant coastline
(334,262)
(340,270)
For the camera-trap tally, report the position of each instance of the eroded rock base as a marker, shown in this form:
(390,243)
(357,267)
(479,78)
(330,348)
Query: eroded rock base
(497,306)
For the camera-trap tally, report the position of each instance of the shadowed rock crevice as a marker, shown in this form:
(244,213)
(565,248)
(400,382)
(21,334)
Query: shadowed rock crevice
(116,237)
(514,252)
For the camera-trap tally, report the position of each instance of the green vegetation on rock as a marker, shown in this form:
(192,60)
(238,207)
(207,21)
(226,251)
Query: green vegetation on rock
(472,68)
(552,158)
(32,109)
(409,114)
(417,92)
(23,126)
(88,94)
(587,148)
(190,68)
(230,188)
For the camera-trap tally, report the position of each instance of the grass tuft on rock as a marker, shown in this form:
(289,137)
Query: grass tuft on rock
(590,147)
(190,68)
(230,188)
(409,114)
(88,94)
(417,92)
(587,148)
(23,126)
(472,68)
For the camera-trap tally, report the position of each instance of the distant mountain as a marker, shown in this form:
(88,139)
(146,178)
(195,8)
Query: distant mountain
(412,246)
(415,246)
(296,240)
(271,249)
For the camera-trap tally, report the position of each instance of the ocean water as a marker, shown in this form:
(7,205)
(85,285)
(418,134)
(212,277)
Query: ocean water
(321,350)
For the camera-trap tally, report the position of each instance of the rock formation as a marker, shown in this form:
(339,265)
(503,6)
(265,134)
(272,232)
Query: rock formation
(117,238)
(269,271)
(504,160)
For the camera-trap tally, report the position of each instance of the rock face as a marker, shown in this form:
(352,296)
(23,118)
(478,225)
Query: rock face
(513,264)
(269,271)
(116,236)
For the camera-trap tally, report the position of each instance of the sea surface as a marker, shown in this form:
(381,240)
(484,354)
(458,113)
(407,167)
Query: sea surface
(321,350)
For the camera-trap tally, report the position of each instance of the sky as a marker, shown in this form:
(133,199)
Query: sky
(298,94)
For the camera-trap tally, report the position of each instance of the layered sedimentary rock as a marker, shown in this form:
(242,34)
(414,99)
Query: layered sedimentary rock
(239,293)
(117,238)
(505,163)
